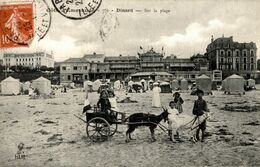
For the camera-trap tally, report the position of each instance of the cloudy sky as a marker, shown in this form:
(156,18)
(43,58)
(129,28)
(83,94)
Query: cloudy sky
(185,30)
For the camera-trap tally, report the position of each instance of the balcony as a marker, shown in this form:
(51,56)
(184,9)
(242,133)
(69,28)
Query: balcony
(143,64)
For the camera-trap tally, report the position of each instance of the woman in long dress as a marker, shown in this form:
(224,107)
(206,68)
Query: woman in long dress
(156,102)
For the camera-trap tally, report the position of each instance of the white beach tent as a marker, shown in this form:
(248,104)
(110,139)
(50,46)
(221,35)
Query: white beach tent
(184,84)
(26,86)
(117,85)
(175,84)
(234,84)
(10,86)
(204,83)
(130,83)
(251,82)
(88,85)
(96,85)
(43,85)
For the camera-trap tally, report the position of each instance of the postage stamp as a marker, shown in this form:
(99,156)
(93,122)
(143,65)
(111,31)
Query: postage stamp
(76,9)
(17,25)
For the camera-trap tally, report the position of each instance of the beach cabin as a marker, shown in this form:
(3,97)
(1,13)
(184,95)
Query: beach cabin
(165,87)
(43,85)
(251,82)
(88,86)
(204,83)
(10,86)
(184,84)
(130,83)
(117,85)
(175,84)
(96,85)
(234,84)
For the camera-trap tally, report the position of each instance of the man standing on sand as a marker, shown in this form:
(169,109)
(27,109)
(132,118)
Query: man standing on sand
(156,102)
(200,108)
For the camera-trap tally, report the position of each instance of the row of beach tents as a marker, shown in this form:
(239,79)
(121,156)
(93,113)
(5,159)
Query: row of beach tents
(12,86)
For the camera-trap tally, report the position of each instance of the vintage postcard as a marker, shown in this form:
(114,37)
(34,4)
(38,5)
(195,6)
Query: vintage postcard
(129,83)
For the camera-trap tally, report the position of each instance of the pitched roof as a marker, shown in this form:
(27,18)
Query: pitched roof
(151,73)
(10,79)
(41,79)
(75,60)
(203,76)
(120,58)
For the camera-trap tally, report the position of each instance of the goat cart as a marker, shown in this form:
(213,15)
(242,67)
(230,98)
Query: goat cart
(100,125)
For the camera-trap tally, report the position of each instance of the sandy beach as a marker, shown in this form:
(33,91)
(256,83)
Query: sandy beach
(53,136)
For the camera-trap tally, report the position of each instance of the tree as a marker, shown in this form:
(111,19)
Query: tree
(43,68)
(13,68)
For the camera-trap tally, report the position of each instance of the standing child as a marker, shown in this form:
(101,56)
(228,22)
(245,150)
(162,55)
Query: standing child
(173,120)
(179,101)
(200,108)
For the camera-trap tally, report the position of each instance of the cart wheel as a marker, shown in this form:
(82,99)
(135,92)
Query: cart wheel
(113,129)
(98,129)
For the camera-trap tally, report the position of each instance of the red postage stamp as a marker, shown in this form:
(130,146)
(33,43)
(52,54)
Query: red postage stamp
(16,23)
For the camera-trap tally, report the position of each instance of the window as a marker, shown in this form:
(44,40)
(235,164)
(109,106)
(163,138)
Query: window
(244,60)
(221,60)
(237,53)
(39,58)
(252,67)
(75,68)
(86,77)
(244,53)
(19,59)
(244,66)
(98,70)
(29,59)
(16,59)
(237,60)
(222,52)
(32,59)
(86,67)
(25,59)
(252,60)
(252,53)
(64,68)
(69,77)
(229,53)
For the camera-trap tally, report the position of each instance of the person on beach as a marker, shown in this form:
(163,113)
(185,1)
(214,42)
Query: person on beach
(156,101)
(103,102)
(112,100)
(87,105)
(179,101)
(173,120)
(200,109)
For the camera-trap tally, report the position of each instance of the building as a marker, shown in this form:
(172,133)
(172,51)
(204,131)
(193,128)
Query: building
(232,57)
(90,67)
(74,70)
(33,60)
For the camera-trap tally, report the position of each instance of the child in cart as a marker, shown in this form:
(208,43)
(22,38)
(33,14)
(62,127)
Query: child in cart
(103,102)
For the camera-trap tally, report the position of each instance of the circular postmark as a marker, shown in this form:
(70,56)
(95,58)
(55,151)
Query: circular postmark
(42,18)
(76,9)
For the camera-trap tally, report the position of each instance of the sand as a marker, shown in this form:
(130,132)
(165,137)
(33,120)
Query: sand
(53,136)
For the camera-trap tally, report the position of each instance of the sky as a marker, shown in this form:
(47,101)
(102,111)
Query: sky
(186,28)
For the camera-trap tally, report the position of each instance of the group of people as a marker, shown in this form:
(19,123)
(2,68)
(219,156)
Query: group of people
(200,111)
(107,103)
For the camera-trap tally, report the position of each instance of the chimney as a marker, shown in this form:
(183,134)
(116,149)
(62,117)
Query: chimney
(212,39)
